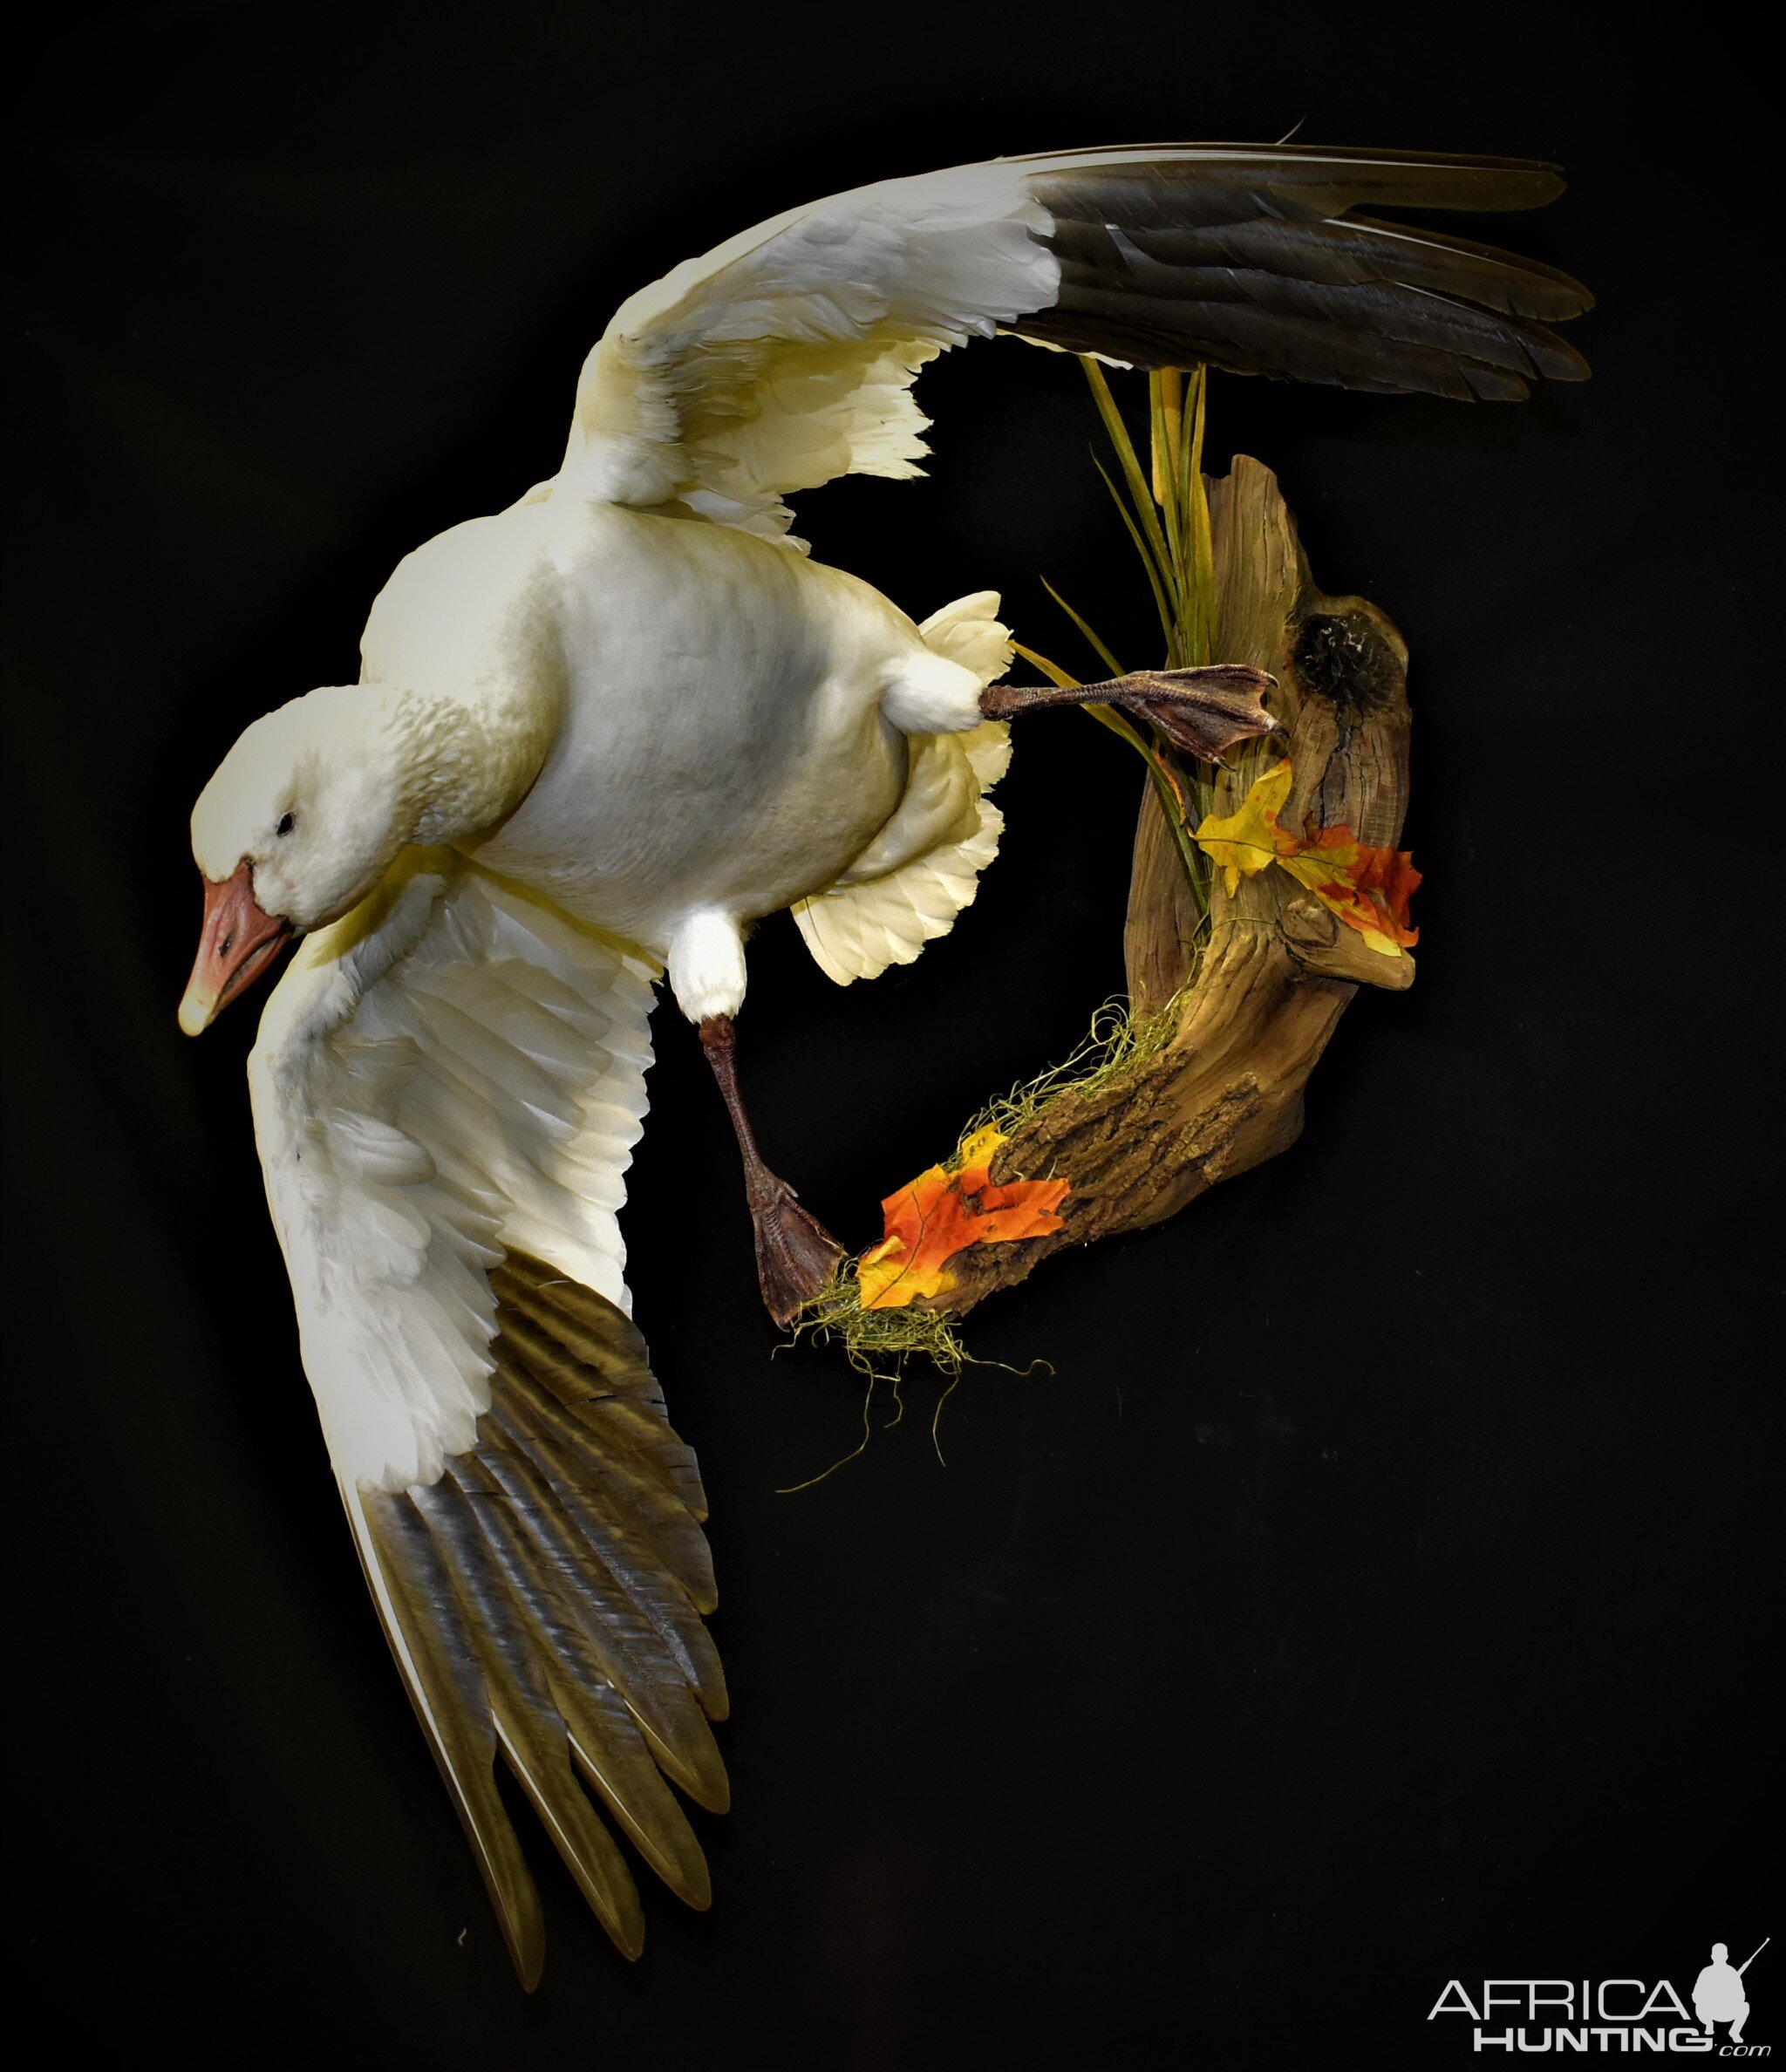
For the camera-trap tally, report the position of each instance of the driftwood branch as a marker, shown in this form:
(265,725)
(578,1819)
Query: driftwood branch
(1276,968)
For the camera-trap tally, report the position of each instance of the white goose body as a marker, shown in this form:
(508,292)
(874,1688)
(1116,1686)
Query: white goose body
(595,737)
(712,710)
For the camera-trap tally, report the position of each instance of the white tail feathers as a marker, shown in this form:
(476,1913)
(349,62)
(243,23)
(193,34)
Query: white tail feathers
(968,632)
(924,867)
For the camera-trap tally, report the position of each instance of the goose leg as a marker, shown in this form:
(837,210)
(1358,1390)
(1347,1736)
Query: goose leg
(796,1255)
(1201,711)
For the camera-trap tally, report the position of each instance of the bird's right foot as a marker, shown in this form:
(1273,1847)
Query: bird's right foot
(1200,711)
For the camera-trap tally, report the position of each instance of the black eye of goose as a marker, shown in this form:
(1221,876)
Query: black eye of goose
(287,822)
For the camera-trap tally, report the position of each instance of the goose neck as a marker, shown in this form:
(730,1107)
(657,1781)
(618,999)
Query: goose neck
(469,766)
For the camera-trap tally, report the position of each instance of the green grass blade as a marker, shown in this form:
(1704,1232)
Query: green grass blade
(1097,646)
(1147,560)
(1139,489)
(1163,480)
(1166,514)
(1202,575)
(1120,724)
(1057,676)
(1105,715)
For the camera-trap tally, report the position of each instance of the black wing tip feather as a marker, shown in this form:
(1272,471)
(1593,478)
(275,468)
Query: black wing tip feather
(1248,258)
(1525,182)
(541,1601)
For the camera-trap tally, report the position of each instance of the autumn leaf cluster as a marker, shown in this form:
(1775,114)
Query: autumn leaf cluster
(1368,888)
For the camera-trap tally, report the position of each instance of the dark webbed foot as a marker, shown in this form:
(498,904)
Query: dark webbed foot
(796,1255)
(1201,711)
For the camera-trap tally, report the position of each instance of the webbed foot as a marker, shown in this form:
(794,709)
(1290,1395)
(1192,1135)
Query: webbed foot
(796,1255)
(1200,711)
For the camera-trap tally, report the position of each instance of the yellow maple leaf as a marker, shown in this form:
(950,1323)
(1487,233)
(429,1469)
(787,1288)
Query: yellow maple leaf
(1245,840)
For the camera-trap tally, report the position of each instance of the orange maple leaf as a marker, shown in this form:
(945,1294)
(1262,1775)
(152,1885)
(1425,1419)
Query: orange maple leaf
(945,1210)
(1382,885)
(1368,888)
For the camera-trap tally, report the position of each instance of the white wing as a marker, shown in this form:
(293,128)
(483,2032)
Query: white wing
(447,1088)
(787,356)
(453,1071)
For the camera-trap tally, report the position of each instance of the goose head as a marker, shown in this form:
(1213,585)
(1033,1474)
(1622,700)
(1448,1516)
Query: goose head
(302,818)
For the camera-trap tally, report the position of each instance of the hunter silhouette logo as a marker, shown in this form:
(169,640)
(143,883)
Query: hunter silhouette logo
(1608,2014)
(1718,1994)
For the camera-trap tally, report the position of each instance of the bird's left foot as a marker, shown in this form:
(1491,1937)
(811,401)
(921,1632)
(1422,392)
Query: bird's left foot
(796,1255)
(1201,711)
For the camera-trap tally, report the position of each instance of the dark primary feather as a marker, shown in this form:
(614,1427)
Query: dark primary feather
(543,1600)
(1248,259)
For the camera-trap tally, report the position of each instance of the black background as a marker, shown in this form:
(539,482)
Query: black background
(1371,1593)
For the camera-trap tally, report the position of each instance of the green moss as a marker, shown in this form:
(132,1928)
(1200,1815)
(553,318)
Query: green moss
(1118,1043)
(877,1342)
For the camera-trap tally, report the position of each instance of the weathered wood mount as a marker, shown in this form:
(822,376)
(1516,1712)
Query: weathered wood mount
(1275,968)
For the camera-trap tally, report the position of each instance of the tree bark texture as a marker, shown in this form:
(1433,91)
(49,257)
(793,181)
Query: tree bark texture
(1276,967)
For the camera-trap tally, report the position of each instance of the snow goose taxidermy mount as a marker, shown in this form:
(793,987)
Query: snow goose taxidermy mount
(599,735)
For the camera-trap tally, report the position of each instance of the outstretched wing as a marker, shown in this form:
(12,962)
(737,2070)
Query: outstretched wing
(787,356)
(447,1088)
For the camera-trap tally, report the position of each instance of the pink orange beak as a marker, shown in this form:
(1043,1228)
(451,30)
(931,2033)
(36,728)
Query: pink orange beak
(237,941)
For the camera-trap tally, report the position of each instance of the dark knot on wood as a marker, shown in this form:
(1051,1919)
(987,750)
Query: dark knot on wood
(1342,658)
